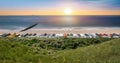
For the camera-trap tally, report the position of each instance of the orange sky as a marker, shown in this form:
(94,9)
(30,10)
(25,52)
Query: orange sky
(100,12)
(57,7)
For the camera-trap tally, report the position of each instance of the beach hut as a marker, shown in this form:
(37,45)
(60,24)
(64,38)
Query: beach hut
(75,35)
(101,35)
(0,35)
(114,35)
(87,36)
(24,35)
(59,35)
(54,35)
(82,35)
(104,35)
(93,35)
(37,35)
(65,35)
(5,34)
(97,35)
(43,35)
(12,35)
(79,35)
(70,35)
(34,35)
(109,35)
(51,36)
(30,34)
(17,35)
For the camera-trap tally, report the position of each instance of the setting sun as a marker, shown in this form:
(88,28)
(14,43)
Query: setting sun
(68,11)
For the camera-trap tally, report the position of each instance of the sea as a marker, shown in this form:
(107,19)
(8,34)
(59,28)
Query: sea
(58,22)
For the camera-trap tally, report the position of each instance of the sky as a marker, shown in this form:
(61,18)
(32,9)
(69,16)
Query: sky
(57,7)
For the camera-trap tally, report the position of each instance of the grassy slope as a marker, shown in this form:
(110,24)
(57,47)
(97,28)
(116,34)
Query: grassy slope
(108,52)
(14,52)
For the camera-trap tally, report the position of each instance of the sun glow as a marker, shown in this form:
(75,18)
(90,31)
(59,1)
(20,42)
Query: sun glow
(68,11)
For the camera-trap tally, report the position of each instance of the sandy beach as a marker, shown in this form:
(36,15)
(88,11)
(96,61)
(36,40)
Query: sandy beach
(66,30)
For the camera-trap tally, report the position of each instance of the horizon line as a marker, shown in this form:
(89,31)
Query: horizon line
(61,15)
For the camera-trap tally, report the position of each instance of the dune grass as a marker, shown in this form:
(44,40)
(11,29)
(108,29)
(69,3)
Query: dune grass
(108,52)
(15,51)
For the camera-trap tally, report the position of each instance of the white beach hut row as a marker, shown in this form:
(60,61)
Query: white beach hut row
(45,35)
(91,35)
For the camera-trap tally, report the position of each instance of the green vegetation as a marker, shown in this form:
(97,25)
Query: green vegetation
(59,50)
